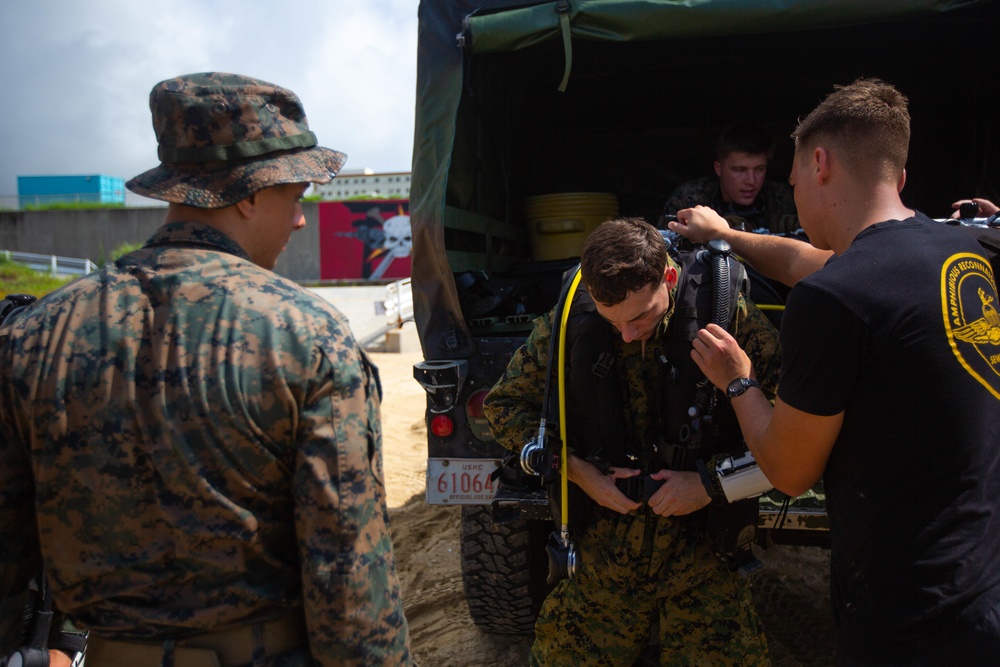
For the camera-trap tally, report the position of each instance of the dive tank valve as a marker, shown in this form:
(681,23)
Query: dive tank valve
(538,458)
(563,559)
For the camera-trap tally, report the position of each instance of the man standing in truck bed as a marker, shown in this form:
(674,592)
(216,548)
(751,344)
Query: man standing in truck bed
(740,191)
(647,570)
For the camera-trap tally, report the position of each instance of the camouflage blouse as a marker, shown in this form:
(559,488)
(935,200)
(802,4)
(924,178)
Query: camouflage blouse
(198,442)
(773,209)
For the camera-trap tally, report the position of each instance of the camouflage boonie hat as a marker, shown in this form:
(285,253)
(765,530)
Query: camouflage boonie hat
(223,137)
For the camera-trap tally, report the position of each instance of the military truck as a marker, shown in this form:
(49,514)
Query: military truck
(536,120)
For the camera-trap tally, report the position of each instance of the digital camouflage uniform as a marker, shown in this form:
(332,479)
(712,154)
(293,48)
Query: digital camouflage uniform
(195,442)
(773,209)
(639,573)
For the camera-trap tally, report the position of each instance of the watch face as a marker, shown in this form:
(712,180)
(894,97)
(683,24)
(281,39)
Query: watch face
(740,385)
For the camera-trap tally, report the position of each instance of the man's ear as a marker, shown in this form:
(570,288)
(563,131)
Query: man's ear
(822,164)
(718,168)
(902,182)
(247,207)
(670,276)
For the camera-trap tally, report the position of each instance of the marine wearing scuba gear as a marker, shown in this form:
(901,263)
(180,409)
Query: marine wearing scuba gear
(649,566)
(689,425)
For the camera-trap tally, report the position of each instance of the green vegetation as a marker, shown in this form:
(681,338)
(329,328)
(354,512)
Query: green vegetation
(367,197)
(19,279)
(69,206)
(376,197)
(124,249)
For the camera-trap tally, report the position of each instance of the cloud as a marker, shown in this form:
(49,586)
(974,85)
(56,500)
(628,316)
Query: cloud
(75,77)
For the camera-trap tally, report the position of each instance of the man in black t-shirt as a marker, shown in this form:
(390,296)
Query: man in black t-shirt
(890,390)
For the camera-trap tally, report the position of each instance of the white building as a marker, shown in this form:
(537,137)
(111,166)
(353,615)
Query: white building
(355,182)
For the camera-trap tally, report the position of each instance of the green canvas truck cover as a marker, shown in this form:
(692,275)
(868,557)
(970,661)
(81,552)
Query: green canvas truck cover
(451,32)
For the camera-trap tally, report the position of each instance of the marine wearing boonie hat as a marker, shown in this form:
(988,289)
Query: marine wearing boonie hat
(223,137)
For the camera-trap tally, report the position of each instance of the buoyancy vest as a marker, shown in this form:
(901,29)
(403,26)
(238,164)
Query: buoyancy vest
(689,422)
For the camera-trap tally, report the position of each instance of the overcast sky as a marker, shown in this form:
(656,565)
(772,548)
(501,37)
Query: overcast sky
(75,75)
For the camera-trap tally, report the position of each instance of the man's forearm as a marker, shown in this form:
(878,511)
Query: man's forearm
(777,257)
(754,412)
(790,446)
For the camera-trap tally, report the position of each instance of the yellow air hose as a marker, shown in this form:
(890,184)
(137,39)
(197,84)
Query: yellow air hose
(564,454)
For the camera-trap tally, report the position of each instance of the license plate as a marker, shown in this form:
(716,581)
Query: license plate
(460,481)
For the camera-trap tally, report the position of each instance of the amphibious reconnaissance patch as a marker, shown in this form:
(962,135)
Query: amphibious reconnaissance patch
(969,304)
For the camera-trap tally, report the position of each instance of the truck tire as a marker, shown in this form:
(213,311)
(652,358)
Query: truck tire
(504,567)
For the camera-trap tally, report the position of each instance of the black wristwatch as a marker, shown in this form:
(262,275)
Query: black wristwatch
(740,385)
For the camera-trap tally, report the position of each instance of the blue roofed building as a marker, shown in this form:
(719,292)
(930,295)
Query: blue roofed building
(74,189)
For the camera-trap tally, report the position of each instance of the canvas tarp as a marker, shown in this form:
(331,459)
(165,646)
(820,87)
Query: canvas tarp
(621,20)
(489,26)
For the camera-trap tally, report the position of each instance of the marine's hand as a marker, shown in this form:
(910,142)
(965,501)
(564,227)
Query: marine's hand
(720,357)
(986,207)
(681,493)
(699,224)
(600,487)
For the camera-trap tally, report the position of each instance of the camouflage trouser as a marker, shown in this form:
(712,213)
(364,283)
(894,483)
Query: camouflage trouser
(643,575)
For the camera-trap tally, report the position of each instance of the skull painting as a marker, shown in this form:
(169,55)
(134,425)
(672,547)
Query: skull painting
(398,239)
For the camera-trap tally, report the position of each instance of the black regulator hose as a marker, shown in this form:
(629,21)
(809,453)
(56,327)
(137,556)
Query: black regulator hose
(722,305)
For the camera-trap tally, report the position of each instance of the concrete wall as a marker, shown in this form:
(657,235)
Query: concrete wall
(300,261)
(94,233)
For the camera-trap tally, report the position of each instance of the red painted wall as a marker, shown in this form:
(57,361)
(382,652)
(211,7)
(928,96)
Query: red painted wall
(364,240)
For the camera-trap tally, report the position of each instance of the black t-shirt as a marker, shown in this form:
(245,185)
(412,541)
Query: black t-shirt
(901,333)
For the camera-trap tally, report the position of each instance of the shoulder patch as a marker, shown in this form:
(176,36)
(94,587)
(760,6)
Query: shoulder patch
(971,319)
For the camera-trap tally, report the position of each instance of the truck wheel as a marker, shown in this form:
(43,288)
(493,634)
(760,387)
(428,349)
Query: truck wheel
(504,567)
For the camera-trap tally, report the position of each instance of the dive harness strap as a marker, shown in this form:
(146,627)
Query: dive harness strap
(711,483)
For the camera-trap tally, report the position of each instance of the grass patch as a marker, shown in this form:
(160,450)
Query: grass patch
(321,198)
(70,206)
(124,249)
(19,279)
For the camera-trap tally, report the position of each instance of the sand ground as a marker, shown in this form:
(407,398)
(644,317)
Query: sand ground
(791,591)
